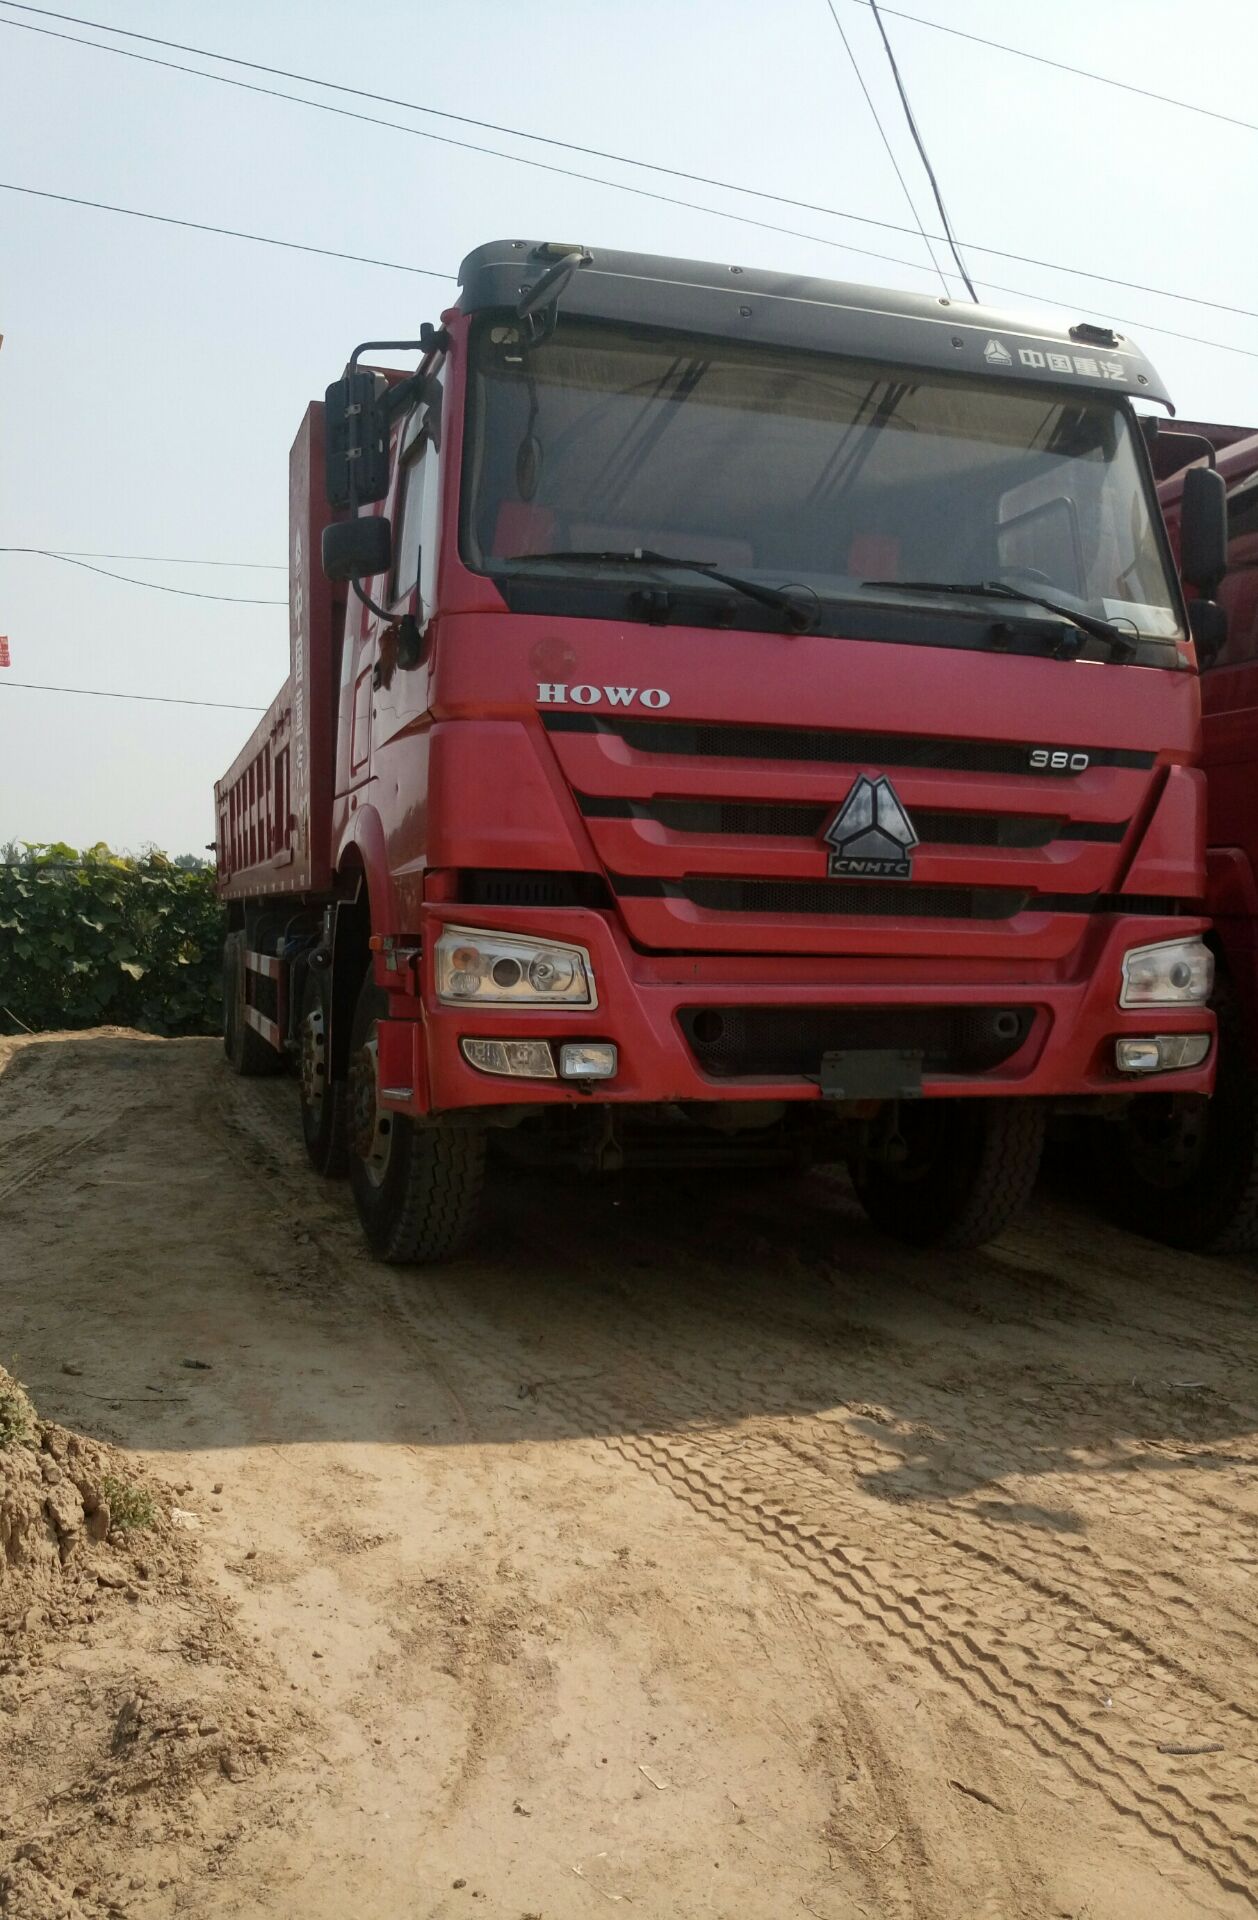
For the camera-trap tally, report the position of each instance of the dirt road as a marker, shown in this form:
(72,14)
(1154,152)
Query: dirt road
(686,1548)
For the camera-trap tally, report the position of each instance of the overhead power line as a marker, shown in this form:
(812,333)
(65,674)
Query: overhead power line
(882,135)
(1062,66)
(164,559)
(154,586)
(916,266)
(104,693)
(568,173)
(920,144)
(228,233)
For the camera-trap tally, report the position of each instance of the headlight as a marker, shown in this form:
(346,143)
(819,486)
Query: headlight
(484,968)
(1174,973)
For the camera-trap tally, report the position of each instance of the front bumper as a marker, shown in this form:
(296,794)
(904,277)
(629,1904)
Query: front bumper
(1068,1049)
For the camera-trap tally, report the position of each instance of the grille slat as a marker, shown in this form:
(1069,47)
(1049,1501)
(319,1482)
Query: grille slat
(831,897)
(936,826)
(739,742)
(734,1042)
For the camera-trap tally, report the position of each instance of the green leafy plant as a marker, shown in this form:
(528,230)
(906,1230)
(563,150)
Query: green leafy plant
(16,1418)
(131,1508)
(97,938)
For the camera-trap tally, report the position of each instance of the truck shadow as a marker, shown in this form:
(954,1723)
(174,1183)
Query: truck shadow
(178,1281)
(1068,1348)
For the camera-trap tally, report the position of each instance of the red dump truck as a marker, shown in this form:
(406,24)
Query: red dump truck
(1182,1168)
(733,717)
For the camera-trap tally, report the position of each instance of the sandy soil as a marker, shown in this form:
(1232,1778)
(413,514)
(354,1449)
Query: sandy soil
(686,1548)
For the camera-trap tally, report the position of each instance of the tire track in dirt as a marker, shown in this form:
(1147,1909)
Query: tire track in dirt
(33,1080)
(1107,1570)
(908,1591)
(1070,1588)
(1027,1436)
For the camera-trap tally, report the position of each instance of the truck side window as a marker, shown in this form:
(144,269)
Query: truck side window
(1239,589)
(414,479)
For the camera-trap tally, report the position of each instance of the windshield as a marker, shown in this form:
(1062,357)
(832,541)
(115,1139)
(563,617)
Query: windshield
(836,475)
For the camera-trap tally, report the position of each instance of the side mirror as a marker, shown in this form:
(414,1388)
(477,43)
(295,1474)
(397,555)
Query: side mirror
(357,549)
(356,440)
(1203,530)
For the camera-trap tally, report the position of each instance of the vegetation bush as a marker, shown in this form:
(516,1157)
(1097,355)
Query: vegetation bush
(98,938)
(131,1508)
(16,1418)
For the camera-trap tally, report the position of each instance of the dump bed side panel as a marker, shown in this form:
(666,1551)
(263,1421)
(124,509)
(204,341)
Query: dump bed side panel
(273,806)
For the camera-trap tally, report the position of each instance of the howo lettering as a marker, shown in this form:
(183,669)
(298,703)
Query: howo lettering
(733,719)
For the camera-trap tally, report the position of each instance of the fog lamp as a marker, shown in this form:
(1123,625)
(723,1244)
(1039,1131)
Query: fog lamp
(587,1060)
(520,1059)
(1161,1052)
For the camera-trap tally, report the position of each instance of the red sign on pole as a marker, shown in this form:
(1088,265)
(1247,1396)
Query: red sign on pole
(4,651)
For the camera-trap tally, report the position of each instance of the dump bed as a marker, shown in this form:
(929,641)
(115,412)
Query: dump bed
(273,805)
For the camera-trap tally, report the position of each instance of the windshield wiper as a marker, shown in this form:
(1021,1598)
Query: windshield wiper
(1121,645)
(802,616)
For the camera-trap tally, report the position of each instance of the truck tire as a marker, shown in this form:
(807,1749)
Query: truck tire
(250,1055)
(323,1099)
(1187,1173)
(416,1185)
(969,1168)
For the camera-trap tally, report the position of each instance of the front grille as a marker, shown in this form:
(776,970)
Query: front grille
(830,897)
(733,1042)
(936,826)
(817,744)
(488,887)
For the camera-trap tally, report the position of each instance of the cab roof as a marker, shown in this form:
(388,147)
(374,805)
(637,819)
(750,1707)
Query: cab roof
(820,316)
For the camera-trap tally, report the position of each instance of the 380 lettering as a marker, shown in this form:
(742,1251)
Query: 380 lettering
(1057,760)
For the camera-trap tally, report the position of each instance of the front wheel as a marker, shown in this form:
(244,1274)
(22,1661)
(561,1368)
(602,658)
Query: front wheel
(1185,1171)
(963,1169)
(416,1185)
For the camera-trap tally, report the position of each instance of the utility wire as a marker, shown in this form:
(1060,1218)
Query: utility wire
(1043,60)
(920,144)
(617,186)
(916,266)
(164,559)
(154,586)
(103,693)
(230,233)
(266,240)
(882,132)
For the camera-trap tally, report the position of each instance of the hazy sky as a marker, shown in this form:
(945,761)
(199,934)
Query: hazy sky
(151,380)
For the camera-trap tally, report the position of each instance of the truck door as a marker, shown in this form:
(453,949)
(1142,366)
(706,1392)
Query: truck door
(1229,687)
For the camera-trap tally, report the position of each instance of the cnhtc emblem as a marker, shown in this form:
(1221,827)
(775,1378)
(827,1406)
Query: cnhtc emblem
(871,836)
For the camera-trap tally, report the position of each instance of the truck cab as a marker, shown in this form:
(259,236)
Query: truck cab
(738,717)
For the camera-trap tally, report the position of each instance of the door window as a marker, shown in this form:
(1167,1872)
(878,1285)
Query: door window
(411,517)
(1239,591)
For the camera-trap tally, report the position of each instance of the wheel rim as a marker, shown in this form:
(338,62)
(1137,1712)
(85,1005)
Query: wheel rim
(371,1127)
(314,1061)
(1165,1144)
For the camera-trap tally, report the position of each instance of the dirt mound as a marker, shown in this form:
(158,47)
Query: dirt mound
(57,1493)
(127,1699)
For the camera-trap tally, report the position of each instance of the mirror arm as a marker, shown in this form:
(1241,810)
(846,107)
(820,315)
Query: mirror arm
(410,640)
(368,602)
(391,346)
